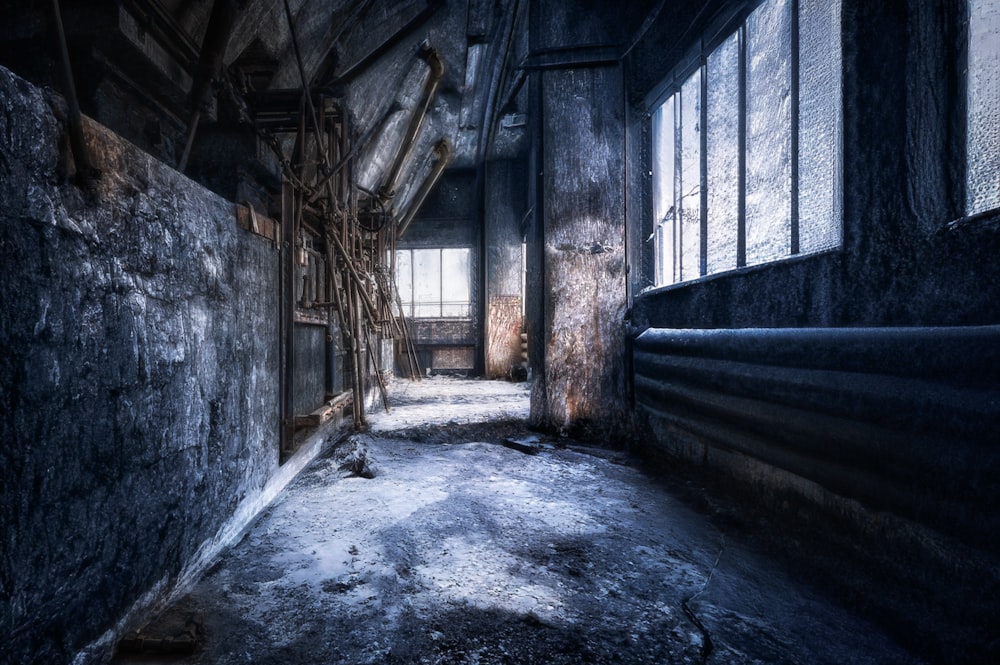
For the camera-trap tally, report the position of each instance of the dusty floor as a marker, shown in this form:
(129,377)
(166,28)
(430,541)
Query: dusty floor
(464,550)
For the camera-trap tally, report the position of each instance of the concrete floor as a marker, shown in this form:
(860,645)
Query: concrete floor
(463,550)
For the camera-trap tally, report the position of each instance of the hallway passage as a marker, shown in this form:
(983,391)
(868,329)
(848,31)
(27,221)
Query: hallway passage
(462,549)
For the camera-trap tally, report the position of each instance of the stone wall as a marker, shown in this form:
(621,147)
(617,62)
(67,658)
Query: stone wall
(138,380)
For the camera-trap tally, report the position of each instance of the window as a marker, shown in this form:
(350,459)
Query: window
(982,176)
(746,145)
(434,283)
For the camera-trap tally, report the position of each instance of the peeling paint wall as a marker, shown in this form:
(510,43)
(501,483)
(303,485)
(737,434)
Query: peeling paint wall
(138,382)
(505,208)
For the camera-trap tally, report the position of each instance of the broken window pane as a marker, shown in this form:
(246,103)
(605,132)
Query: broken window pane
(690,185)
(768,157)
(723,155)
(983,127)
(819,125)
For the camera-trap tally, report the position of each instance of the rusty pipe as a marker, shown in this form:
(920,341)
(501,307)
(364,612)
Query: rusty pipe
(358,146)
(436,64)
(443,151)
(366,300)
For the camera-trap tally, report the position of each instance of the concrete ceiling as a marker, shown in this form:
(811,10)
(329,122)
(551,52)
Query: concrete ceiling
(364,54)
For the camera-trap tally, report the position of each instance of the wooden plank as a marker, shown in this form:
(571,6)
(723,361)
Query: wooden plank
(254,222)
(341,400)
(320,416)
(333,409)
(504,341)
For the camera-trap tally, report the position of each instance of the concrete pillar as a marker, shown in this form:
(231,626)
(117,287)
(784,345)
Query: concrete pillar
(583,379)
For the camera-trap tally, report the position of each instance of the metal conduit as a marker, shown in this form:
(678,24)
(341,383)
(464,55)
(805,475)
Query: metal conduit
(433,59)
(443,152)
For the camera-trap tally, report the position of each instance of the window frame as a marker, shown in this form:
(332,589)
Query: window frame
(695,62)
(965,106)
(410,306)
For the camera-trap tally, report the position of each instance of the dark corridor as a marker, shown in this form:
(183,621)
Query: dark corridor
(750,246)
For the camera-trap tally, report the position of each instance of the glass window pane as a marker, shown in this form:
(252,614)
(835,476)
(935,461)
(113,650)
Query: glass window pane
(983,129)
(819,125)
(427,311)
(663,191)
(427,282)
(768,156)
(723,155)
(455,282)
(404,281)
(690,187)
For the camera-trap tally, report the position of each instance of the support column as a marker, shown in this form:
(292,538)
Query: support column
(584,267)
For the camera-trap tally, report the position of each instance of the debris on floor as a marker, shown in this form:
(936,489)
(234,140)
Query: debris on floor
(529,445)
(176,633)
(463,550)
(354,457)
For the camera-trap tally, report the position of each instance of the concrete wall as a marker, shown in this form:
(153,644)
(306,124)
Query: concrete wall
(810,378)
(138,382)
(902,263)
(448,219)
(505,209)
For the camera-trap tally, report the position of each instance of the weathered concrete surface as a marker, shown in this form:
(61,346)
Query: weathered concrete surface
(584,253)
(505,209)
(138,403)
(901,264)
(461,550)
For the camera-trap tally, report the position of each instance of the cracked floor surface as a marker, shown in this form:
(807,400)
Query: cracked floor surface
(462,550)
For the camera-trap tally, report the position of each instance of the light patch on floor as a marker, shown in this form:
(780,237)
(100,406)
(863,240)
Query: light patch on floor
(461,550)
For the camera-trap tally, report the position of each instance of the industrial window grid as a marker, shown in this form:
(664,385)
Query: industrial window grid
(434,282)
(696,147)
(982,80)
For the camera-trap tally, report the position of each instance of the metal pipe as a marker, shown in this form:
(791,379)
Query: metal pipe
(433,59)
(358,146)
(213,49)
(302,74)
(359,386)
(443,151)
(84,170)
(369,305)
(288,268)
